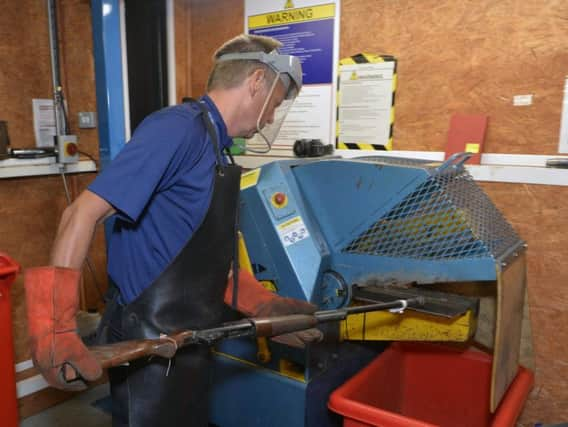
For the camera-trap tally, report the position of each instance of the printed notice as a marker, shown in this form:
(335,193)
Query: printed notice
(44,122)
(308,30)
(311,40)
(365,103)
(293,231)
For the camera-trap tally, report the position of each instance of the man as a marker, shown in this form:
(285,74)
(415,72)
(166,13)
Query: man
(174,199)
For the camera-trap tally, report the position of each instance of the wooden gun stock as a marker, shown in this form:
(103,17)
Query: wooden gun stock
(120,353)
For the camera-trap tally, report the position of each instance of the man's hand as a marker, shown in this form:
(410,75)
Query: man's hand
(279,306)
(52,300)
(256,301)
(299,339)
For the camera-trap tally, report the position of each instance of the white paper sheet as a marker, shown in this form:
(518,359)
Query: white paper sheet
(44,122)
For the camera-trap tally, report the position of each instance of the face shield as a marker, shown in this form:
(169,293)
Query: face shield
(282,92)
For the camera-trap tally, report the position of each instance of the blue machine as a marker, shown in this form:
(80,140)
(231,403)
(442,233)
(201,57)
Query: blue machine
(317,228)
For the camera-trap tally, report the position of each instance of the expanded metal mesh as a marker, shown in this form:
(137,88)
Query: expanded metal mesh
(448,216)
(398,161)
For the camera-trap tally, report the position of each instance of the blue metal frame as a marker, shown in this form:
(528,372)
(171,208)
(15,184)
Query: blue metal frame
(254,396)
(108,77)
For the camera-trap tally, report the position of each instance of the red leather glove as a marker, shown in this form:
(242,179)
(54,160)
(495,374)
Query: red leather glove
(52,299)
(256,301)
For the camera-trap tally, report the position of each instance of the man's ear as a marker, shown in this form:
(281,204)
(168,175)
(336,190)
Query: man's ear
(256,81)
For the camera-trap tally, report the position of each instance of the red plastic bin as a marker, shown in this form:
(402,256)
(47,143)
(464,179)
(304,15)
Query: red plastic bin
(427,385)
(8,402)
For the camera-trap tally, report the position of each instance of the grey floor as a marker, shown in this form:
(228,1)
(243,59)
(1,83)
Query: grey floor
(78,411)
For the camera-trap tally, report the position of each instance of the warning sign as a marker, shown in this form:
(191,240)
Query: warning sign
(303,14)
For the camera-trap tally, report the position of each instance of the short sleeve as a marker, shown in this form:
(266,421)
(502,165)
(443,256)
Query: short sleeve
(133,177)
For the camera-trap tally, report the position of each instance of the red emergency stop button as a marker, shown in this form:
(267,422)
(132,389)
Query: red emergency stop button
(279,199)
(71,148)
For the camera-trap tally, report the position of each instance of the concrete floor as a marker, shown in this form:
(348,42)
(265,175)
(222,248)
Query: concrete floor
(78,411)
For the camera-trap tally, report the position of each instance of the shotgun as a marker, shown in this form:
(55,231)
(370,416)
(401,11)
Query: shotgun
(120,353)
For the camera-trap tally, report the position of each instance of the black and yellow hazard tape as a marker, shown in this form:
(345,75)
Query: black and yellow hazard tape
(366,58)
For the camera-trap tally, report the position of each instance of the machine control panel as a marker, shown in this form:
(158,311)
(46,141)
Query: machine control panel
(68,150)
(281,206)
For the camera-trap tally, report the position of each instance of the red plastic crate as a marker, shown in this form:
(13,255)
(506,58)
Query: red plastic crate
(8,403)
(427,385)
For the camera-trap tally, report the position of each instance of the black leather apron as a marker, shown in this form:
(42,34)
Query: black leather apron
(187,295)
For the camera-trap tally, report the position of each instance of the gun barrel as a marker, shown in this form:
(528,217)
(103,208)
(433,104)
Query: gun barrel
(279,325)
(342,313)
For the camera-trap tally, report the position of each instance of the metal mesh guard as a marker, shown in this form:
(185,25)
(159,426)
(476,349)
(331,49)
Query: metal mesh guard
(448,216)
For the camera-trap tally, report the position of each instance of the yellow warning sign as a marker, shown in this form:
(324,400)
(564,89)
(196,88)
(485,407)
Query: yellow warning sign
(289,16)
(250,179)
(353,76)
(289,4)
(290,223)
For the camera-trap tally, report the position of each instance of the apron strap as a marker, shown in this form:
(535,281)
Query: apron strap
(236,264)
(211,131)
(214,139)
(230,156)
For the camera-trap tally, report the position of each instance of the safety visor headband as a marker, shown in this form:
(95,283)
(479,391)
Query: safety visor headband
(288,67)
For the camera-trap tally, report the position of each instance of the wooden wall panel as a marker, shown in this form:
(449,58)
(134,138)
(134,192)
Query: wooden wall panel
(24,65)
(538,214)
(30,207)
(25,71)
(78,67)
(468,57)
(212,24)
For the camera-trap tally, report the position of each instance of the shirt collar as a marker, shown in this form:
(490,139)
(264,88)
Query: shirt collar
(224,138)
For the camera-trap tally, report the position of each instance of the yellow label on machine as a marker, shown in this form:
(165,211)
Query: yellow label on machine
(290,16)
(250,179)
(293,231)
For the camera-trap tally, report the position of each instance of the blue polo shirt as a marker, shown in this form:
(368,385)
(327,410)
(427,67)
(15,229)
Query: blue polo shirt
(160,185)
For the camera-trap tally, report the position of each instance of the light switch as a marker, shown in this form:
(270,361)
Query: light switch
(87,120)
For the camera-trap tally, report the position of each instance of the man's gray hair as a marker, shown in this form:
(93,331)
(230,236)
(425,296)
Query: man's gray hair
(229,74)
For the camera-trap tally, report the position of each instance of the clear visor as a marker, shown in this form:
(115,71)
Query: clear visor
(272,115)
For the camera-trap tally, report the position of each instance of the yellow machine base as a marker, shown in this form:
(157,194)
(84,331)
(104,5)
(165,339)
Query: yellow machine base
(408,326)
